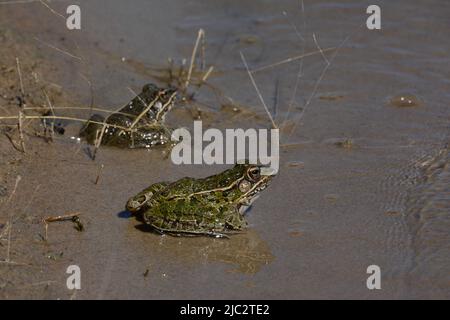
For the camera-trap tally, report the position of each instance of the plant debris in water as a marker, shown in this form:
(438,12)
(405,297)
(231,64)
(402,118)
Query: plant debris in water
(406,100)
(74,217)
(346,144)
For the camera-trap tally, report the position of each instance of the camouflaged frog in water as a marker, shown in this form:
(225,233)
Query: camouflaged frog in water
(140,124)
(212,206)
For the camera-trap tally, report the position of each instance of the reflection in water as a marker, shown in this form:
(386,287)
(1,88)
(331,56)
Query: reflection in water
(246,252)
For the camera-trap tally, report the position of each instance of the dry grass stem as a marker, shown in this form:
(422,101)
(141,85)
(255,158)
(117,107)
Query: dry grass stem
(65,217)
(8,250)
(288,60)
(58,49)
(22,91)
(200,37)
(52,127)
(21,135)
(100,170)
(274,125)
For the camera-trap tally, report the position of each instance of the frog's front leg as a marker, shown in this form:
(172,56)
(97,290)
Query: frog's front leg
(235,221)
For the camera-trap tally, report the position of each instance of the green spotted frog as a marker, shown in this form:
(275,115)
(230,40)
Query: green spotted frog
(139,124)
(213,206)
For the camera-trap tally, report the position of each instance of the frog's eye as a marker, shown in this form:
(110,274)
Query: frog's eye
(254,173)
(244,186)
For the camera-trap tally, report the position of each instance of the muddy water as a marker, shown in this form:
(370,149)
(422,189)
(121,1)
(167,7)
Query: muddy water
(382,199)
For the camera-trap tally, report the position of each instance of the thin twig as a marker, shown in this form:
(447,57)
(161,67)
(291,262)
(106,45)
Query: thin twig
(18,1)
(257,91)
(64,118)
(21,136)
(8,250)
(81,108)
(276,99)
(52,128)
(98,139)
(52,10)
(91,89)
(316,85)
(300,68)
(148,107)
(22,91)
(18,178)
(207,74)
(200,36)
(58,49)
(294,26)
(100,170)
(276,64)
(63,217)
(320,49)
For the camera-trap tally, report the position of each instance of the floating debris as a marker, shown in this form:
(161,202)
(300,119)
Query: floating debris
(331,197)
(331,97)
(78,224)
(54,255)
(392,213)
(404,101)
(295,234)
(346,144)
(74,217)
(296,164)
(248,39)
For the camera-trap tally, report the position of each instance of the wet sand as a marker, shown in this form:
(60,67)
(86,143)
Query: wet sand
(364,179)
